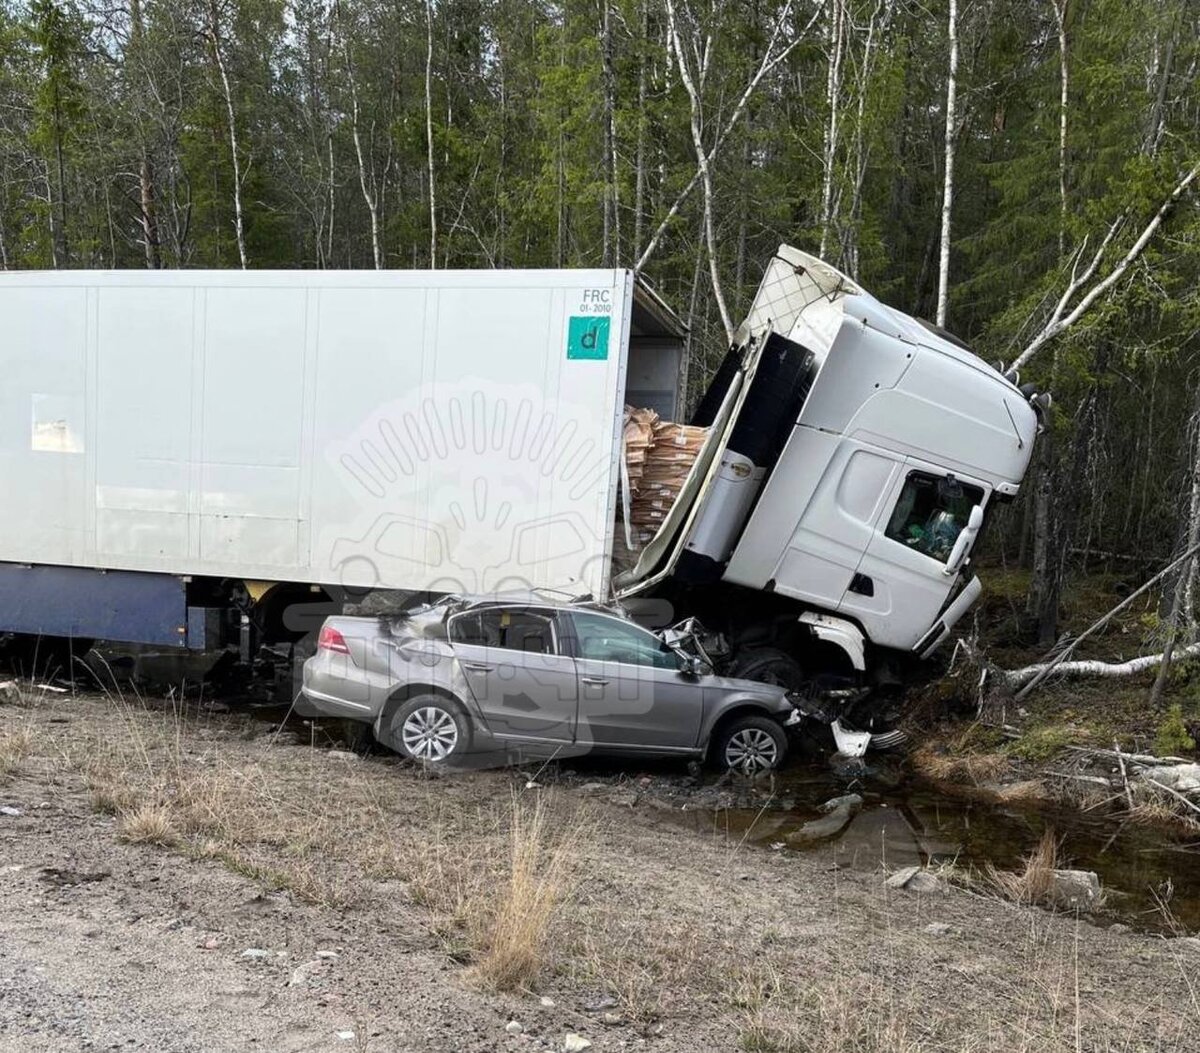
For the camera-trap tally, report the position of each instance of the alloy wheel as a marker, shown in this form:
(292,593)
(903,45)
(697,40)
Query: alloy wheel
(429,734)
(751,751)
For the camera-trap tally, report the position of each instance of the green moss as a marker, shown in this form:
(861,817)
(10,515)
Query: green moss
(1173,736)
(1037,744)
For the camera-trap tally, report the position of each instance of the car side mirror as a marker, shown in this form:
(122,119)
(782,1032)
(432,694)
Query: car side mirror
(691,664)
(962,543)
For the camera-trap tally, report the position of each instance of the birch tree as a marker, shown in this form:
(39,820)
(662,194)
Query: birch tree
(943,290)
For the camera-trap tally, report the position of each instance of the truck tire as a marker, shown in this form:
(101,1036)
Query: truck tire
(769,665)
(751,744)
(429,729)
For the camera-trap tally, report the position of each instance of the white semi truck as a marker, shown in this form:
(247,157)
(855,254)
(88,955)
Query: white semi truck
(217,459)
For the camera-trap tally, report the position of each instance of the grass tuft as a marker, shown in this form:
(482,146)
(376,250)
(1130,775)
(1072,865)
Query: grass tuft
(14,748)
(541,867)
(148,824)
(1034,882)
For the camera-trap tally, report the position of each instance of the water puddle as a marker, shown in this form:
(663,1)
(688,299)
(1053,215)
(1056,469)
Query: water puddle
(904,821)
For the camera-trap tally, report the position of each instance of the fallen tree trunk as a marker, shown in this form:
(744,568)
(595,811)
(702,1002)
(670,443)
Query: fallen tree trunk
(1019,677)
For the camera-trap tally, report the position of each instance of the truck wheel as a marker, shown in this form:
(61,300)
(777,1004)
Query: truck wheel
(429,729)
(751,745)
(768,665)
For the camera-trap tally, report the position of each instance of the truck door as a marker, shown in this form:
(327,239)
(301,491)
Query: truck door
(837,524)
(902,581)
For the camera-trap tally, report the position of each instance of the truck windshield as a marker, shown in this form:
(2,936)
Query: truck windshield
(931,513)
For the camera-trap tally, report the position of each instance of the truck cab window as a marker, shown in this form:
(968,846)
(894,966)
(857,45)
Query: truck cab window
(931,512)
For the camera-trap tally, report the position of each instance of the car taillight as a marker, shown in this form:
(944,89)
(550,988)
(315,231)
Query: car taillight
(332,640)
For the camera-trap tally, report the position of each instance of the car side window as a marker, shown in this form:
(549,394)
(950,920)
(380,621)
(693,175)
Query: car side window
(931,512)
(513,630)
(605,639)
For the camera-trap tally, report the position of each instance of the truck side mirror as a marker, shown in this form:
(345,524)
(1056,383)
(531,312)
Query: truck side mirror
(962,544)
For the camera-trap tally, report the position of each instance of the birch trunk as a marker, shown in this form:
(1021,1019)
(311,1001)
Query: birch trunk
(369,186)
(433,226)
(612,219)
(231,116)
(639,184)
(1064,81)
(835,35)
(1061,317)
(695,112)
(770,61)
(943,294)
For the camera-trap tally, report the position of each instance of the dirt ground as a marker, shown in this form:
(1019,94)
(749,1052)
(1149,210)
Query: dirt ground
(191,881)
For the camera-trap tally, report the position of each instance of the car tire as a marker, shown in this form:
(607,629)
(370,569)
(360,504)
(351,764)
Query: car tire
(751,745)
(429,729)
(769,665)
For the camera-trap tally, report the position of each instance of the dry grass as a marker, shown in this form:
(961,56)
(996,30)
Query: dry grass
(15,746)
(951,766)
(1034,882)
(542,865)
(148,824)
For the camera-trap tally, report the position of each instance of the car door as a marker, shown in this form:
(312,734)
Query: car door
(632,691)
(524,684)
(902,583)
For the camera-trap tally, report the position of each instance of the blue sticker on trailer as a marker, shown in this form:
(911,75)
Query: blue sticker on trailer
(587,337)
(78,602)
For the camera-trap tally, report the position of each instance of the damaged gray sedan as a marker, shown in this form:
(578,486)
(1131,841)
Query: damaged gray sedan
(466,681)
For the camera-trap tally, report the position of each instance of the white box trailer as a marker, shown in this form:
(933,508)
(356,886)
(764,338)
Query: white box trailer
(416,430)
(177,447)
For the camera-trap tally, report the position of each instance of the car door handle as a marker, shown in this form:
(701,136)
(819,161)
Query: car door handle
(477,667)
(598,681)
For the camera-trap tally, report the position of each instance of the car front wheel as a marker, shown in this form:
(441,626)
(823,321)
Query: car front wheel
(429,729)
(751,745)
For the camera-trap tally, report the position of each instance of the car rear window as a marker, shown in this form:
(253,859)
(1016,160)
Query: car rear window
(498,627)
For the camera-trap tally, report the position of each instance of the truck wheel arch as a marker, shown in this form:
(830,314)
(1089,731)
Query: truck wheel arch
(840,633)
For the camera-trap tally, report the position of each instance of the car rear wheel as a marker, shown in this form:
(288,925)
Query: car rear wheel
(751,745)
(429,729)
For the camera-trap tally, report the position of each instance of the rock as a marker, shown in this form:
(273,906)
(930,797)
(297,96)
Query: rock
(546,1003)
(612,1019)
(345,1036)
(914,879)
(303,973)
(1078,889)
(16,813)
(902,877)
(255,952)
(10,694)
(327,954)
(590,789)
(622,800)
(1182,778)
(344,755)
(1118,928)
(513,1027)
(937,928)
(573,1043)
(838,812)
(601,1003)
(210,944)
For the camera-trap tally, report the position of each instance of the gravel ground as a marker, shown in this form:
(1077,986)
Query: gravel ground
(326,927)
